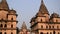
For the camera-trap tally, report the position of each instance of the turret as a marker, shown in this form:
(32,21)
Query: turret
(24,26)
(43,13)
(4,5)
(55,18)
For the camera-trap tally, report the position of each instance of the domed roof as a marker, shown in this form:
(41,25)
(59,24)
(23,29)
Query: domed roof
(54,15)
(4,5)
(12,12)
(32,20)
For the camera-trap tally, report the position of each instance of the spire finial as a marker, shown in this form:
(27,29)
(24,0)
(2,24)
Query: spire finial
(43,9)
(4,5)
(24,26)
(42,1)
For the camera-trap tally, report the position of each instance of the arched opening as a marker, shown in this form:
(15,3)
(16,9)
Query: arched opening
(49,27)
(58,32)
(56,20)
(11,25)
(54,32)
(1,25)
(41,33)
(47,32)
(46,27)
(53,26)
(11,32)
(0,32)
(57,27)
(41,20)
(2,19)
(12,18)
(50,32)
(41,26)
(5,33)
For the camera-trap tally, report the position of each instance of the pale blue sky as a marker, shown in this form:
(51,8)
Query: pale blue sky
(26,9)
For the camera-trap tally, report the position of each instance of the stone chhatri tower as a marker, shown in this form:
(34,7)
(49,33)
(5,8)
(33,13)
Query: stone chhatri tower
(43,23)
(8,20)
(24,29)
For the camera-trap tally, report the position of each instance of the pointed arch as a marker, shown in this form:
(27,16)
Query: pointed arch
(12,18)
(11,25)
(47,33)
(5,33)
(0,32)
(1,25)
(11,32)
(54,32)
(41,32)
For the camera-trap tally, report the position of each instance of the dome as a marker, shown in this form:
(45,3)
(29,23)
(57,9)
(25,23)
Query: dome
(12,12)
(54,15)
(32,20)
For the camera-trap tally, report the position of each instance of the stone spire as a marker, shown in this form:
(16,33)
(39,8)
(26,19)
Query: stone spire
(42,9)
(24,26)
(4,5)
(42,2)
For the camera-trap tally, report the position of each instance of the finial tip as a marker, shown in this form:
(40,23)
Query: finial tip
(41,1)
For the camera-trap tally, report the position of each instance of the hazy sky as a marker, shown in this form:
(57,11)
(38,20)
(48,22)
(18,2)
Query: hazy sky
(26,9)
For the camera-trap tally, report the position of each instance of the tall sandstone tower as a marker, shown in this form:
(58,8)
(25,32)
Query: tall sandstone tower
(8,20)
(43,23)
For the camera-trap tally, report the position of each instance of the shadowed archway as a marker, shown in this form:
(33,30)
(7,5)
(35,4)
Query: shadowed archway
(54,32)
(0,32)
(41,33)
